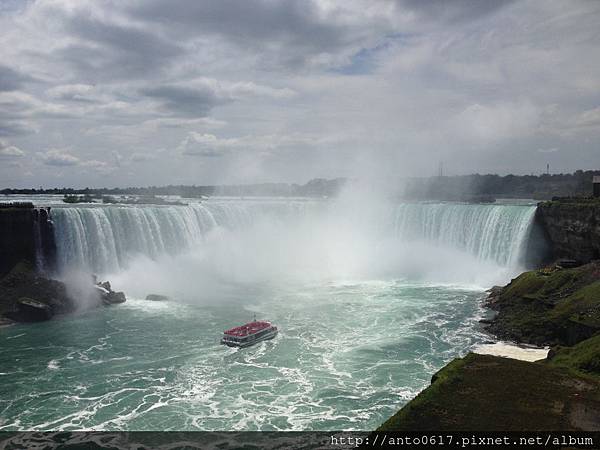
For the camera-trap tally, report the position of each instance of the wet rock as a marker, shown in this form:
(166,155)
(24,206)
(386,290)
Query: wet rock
(30,310)
(495,290)
(107,295)
(6,322)
(113,298)
(24,282)
(103,291)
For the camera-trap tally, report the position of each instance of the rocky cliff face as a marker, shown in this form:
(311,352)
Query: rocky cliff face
(572,227)
(26,234)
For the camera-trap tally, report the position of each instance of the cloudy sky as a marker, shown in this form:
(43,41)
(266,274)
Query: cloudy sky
(149,92)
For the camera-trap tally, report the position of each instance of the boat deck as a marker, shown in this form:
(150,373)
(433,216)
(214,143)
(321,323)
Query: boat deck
(247,329)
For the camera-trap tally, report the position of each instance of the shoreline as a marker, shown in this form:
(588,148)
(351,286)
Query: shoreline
(513,350)
(547,351)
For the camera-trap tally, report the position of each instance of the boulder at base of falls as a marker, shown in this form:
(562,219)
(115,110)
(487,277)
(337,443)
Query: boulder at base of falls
(113,298)
(22,282)
(107,295)
(157,297)
(30,310)
(6,322)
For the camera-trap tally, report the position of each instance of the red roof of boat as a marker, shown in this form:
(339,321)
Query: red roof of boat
(247,329)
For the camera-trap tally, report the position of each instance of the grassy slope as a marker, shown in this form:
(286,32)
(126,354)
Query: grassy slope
(550,307)
(582,359)
(482,392)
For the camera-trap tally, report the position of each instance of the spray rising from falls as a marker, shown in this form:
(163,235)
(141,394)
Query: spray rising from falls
(286,236)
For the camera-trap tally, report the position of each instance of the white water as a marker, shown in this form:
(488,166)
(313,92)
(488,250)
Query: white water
(262,240)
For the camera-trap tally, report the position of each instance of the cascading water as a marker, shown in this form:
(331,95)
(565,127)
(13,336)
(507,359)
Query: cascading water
(103,239)
(490,232)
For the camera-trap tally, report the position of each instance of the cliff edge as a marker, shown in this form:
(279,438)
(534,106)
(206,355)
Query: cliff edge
(26,234)
(572,226)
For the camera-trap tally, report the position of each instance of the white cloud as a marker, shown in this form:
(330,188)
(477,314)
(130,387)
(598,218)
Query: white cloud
(59,158)
(209,145)
(588,119)
(73,92)
(141,157)
(497,121)
(10,151)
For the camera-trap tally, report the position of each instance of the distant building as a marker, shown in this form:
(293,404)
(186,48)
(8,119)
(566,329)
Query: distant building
(596,182)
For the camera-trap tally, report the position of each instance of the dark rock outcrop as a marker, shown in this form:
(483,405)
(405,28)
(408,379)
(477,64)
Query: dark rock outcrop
(30,310)
(113,298)
(6,322)
(551,306)
(24,282)
(107,296)
(26,233)
(572,226)
(28,296)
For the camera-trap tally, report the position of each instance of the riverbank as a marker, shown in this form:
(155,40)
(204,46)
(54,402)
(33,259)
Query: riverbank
(551,306)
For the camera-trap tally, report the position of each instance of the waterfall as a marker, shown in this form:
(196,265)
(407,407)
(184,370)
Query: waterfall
(491,232)
(104,238)
(37,242)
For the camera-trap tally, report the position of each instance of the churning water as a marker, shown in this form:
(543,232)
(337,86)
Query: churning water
(371,300)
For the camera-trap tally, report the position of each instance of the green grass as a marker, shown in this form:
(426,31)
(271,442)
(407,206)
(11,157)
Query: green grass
(561,307)
(527,284)
(486,393)
(583,358)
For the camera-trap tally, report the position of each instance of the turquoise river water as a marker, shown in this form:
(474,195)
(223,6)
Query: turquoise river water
(370,302)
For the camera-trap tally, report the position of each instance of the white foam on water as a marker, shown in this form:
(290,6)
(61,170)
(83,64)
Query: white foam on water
(511,350)
(53,365)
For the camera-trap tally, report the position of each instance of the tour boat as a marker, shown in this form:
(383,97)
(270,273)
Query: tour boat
(249,334)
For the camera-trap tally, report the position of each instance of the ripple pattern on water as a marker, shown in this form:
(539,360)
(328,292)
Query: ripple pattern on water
(348,356)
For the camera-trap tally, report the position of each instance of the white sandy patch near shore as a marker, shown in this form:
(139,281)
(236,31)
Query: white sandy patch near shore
(509,350)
